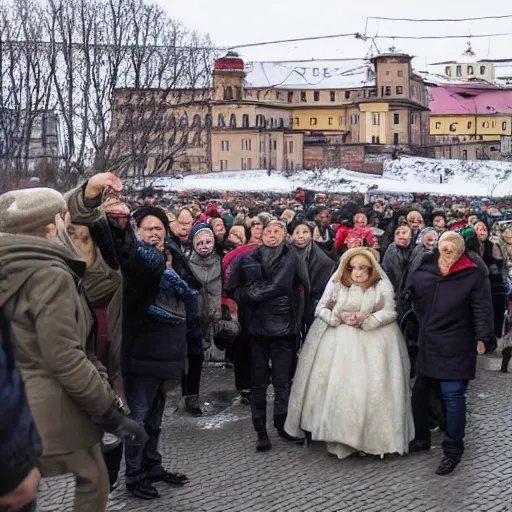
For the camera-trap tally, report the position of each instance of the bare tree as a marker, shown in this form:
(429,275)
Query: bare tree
(70,57)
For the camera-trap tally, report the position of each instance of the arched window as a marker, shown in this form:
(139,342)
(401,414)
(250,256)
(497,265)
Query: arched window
(482,70)
(184,121)
(448,71)
(458,70)
(232,121)
(228,93)
(245,121)
(281,122)
(271,122)
(471,71)
(208,121)
(196,122)
(221,123)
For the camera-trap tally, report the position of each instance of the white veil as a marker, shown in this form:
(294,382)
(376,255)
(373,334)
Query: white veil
(331,290)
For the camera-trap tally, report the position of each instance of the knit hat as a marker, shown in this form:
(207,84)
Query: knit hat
(153,211)
(200,226)
(28,211)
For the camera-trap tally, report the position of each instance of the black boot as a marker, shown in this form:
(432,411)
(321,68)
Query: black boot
(143,490)
(263,444)
(447,466)
(419,446)
(282,433)
(506,355)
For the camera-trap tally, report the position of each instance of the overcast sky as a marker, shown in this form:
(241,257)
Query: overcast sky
(231,22)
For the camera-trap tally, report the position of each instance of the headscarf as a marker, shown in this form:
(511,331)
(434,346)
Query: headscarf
(444,263)
(423,232)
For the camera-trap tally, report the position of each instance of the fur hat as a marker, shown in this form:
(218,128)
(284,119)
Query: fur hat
(28,211)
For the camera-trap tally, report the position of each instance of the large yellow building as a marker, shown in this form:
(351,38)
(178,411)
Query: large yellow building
(285,115)
(468,120)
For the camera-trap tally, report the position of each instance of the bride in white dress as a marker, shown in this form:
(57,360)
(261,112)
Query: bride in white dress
(351,388)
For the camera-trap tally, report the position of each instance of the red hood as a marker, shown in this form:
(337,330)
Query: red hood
(463,263)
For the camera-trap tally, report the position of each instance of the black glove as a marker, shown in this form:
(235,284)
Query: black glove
(125,428)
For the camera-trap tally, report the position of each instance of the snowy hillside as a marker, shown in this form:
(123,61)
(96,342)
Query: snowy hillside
(480,178)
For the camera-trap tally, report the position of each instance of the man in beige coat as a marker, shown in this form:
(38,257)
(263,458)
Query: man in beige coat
(52,328)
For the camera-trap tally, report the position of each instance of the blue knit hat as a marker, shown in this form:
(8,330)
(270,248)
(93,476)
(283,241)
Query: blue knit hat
(199,226)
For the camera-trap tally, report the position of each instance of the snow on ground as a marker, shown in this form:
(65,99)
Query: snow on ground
(465,178)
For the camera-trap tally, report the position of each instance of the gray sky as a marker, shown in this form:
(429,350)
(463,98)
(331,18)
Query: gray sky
(232,22)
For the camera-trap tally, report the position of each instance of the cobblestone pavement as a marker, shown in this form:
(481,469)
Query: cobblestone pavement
(217,452)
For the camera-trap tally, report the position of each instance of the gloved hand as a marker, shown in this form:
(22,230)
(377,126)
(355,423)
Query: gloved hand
(125,428)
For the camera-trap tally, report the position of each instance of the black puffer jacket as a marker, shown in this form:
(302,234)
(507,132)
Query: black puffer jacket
(454,312)
(270,303)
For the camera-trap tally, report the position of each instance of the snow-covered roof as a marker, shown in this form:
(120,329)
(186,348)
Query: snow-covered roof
(315,74)
(441,79)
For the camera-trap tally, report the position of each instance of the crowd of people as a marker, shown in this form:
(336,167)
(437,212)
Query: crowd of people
(365,315)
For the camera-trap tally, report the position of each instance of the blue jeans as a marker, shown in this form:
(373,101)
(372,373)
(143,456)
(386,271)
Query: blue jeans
(145,397)
(453,394)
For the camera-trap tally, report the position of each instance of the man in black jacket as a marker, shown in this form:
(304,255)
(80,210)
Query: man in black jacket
(454,307)
(265,284)
(20,443)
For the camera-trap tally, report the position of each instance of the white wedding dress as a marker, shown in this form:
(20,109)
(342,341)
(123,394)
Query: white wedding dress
(352,387)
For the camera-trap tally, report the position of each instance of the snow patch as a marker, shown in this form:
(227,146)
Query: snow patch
(444,177)
(13,207)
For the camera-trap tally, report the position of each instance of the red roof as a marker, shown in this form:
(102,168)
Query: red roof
(470,99)
(230,62)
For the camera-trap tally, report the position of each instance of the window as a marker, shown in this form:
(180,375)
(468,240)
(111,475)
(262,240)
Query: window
(260,121)
(464,154)
(399,89)
(224,145)
(221,122)
(281,122)
(297,121)
(493,124)
(438,126)
(504,125)
(478,154)
(375,140)
(376,119)
(412,119)
(245,121)
(223,165)
(396,118)
(333,96)
(471,70)
(494,148)
(341,120)
(453,127)
(232,121)
(400,73)
(485,124)
(330,121)
(303,96)
(448,71)
(395,139)
(275,145)
(290,96)
(458,70)
(246,164)
(413,90)
(388,72)
(482,70)
(347,95)
(278,95)
(354,119)
(313,121)
(246,144)
(387,90)
(316,95)
(228,93)
(290,146)
(469,125)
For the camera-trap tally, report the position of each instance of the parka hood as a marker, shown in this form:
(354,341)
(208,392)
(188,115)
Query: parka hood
(22,255)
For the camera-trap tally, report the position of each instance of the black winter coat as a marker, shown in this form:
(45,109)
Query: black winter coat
(454,313)
(270,303)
